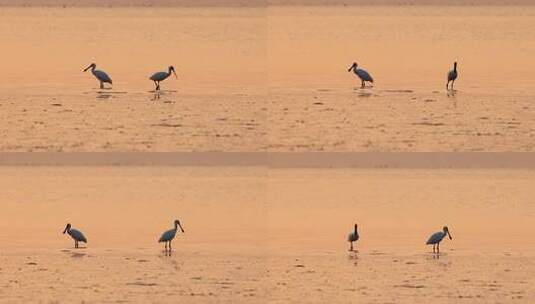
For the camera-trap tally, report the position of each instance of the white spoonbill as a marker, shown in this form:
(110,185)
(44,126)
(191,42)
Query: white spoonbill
(362,74)
(101,76)
(353,237)
(161,76)
(76,235)
(452,75)
(437,237)
(169,235)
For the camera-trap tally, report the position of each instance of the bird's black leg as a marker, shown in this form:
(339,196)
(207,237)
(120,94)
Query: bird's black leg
(447,85)
(452,84)
(169,245)
(351,246)
(101,85)
(438,247)
(165,245)
(75,244)
(362,84)
(434,247)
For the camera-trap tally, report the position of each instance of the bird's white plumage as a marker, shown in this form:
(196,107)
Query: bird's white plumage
(77,235)
(363,75)
(436,238)
(160,76)
(167,236)
(353,237)
(452,75)
(101,76)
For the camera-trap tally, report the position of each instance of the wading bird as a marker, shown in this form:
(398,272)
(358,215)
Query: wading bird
(353,237)
(452,75)
(362,74)
(101,76)
(76,235)
(437,237)
(161,76)
(169,235)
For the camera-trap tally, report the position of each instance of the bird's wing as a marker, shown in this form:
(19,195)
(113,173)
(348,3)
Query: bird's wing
(352,237)
(364,75)
(77,235)
(435,238)
(158,76)
(452,75)
(167,236)
(102,76)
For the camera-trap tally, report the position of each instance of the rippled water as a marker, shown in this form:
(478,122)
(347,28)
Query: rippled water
(255,235)
(256,79)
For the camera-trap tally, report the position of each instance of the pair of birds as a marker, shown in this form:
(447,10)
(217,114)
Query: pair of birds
(103,78)
(167,237)
(366,77)
(434,240)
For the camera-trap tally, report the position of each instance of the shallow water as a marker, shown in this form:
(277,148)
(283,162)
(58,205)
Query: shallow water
(267,79)
(256,79)
(146,275)
(128,276)
(295,210)
(403,47)
(253,234)
(212,49)
(169,121)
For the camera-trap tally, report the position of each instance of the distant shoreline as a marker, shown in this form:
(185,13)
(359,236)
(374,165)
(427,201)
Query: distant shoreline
(254,3)
(356,160)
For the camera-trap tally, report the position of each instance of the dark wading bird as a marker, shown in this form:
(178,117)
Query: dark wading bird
(437,237)
(169,235)
(452,75)
(161,76)
(76,235)
(101,76)
(353,237)
(362,74)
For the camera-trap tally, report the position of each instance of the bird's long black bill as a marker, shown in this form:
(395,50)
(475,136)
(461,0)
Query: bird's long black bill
(450,235)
